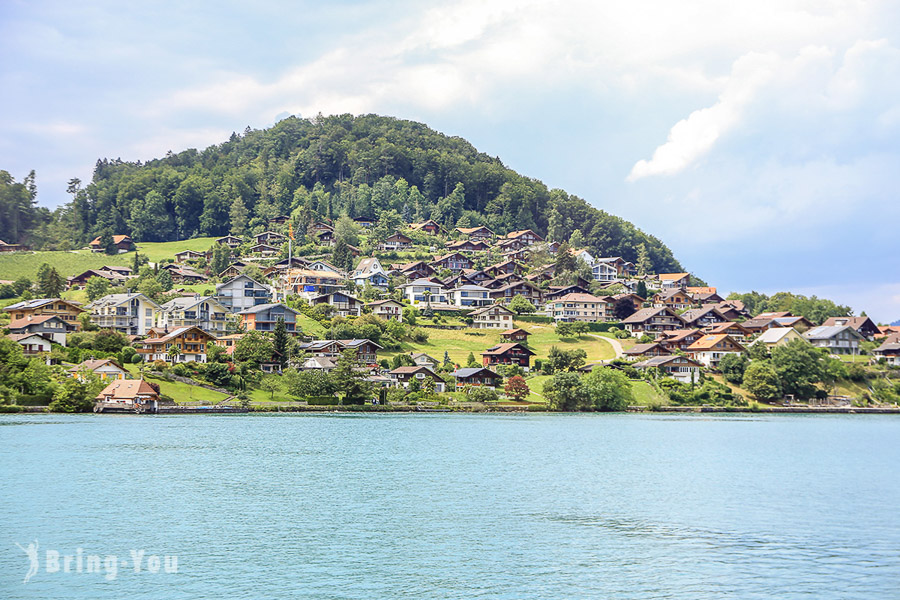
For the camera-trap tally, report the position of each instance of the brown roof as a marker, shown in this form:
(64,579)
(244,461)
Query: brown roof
(709,341)
(127,389)
(516,330)
(94,364)
(639,349)
(26,321)
(116,239)
(504,348)
(672,276)
(578,297)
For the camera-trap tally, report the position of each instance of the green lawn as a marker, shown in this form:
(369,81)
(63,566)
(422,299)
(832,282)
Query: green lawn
(157,251)
(646,395)
(182,393)
(14,265)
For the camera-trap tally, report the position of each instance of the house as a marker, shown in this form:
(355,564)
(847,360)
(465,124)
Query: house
(4,247)
(320,226)
(455,261)
(396,242)
(294,262)
(801,324)
(583,255)
(128,394)
(681,368)
(344,304)
(190,343)
(66,310)
(889,351)
(233,270)
(313,281)
(710,349)
(756,326)
(507,353)
(777,336)
(423,360)
(635,300)
(364,221)
(580,307)
(515,335)
(728,310)
(503,280)
(492,317)
(82,278)
(403,375)
(204,312)
(366,350)
(430,227)
(123,243)
(679,339)
(105,369)
(241,293)
(270,238)
(468,246)
(318,363)
(647,350)
(230,241)
(704,295)
(324,265)
(369,271)
(470,295)
(389,310)
(264,317)
(653,320)
(671,281)
(476,234)
(674,298)
(505,245)
(555,292)
(703,317)
(187,255)
(527,236)
(863,325)
(612,268)
(424,290)
(477,376)
(279,220)
(131,313)
(51,327)
(414,270)
(504,268)
(526,289)
(185,275)
(32,343)
(264,250)
(837,339)
(735,330)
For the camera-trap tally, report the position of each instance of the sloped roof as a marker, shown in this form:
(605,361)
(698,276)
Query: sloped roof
(710,340)
(504,348)
(94,364)
(773,335)
(27,321)
(471,371)
(824,332)
(127,389)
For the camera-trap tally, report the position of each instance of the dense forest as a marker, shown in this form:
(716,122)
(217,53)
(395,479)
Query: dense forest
(317,168)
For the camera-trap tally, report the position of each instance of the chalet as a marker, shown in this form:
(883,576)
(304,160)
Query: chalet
(889,351)
(66,310)
(52,327)
(457,280)
(123,243)
(81,279)
(424,290)
(509,353)
(476,234)
(131,314)
(105,369)
(541,276)
(398,241)
(728,310)
(233,270)
(364,221)
(492,317)
(369,271)
(320,226)
(403,375)
(188,255)
(318,363)
(189,343)
(703,295)
(455,261)
(777,336)
(680,339)
(515,335)
(430,227)
(503,280)
(264,317)
(653,320)
(203,312)
(477,277)
(241,293)
(120,270)
(128,395)
(414,270)
(515,255)
(671,281)
(477,376)
(611,268)
(675,299)
(583,255)
(344,304)
(837,339)
(703,317)
(313,281)
(230,241)
(468,246)
(735,330)
(527,236)
(862,325)
(505,267)
(32,343)
(681,368)
(505,245)
(757,325)
(423,360)
(801,324)
(325,238)
(710,349)
(366,350)
(4,247)
(526,289)
(470,295)
(279,220)
(185,275)
(269,238)
(389,310)
(647,350)
(555,292)
(635,300)
(580,307)
(324,265)
(264,250)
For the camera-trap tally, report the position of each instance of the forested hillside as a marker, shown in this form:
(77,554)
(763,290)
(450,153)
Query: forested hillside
(326,167)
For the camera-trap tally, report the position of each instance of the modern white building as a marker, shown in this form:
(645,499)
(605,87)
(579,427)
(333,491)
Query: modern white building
(471,295)
(131,314)
(421,291)
(242,293)
(205,312)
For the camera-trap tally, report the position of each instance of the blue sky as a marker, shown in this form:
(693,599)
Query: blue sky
(760,140)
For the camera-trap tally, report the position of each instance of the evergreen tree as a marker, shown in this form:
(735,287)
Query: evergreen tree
(280,343)
(220,259)
(238,216)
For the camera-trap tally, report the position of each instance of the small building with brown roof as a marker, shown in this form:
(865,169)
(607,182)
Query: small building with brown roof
(710,349)
(127,395)
(515,335)
(507,354)
(403,375)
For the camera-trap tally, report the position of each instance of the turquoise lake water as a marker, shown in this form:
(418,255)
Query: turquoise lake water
(453,506)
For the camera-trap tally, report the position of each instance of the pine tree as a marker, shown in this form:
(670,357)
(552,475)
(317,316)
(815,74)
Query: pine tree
(280,343)
(239,216)
(644,264)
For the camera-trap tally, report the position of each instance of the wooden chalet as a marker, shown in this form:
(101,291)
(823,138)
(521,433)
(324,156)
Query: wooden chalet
(509,353)
(515,335)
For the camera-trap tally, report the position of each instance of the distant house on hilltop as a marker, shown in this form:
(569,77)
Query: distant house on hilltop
(123,243)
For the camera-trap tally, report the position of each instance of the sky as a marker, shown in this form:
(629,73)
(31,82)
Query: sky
(759,140)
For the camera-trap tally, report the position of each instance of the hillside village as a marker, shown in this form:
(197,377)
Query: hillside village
(342,312)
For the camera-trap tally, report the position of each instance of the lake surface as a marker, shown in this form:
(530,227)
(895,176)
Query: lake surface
(453,506)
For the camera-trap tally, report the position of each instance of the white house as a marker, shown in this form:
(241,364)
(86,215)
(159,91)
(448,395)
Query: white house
(131,314)
(389,310)
(369,270)
(837,339)
(205,312)
(471,295)
(492,317)
(242,293)
(424,290)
